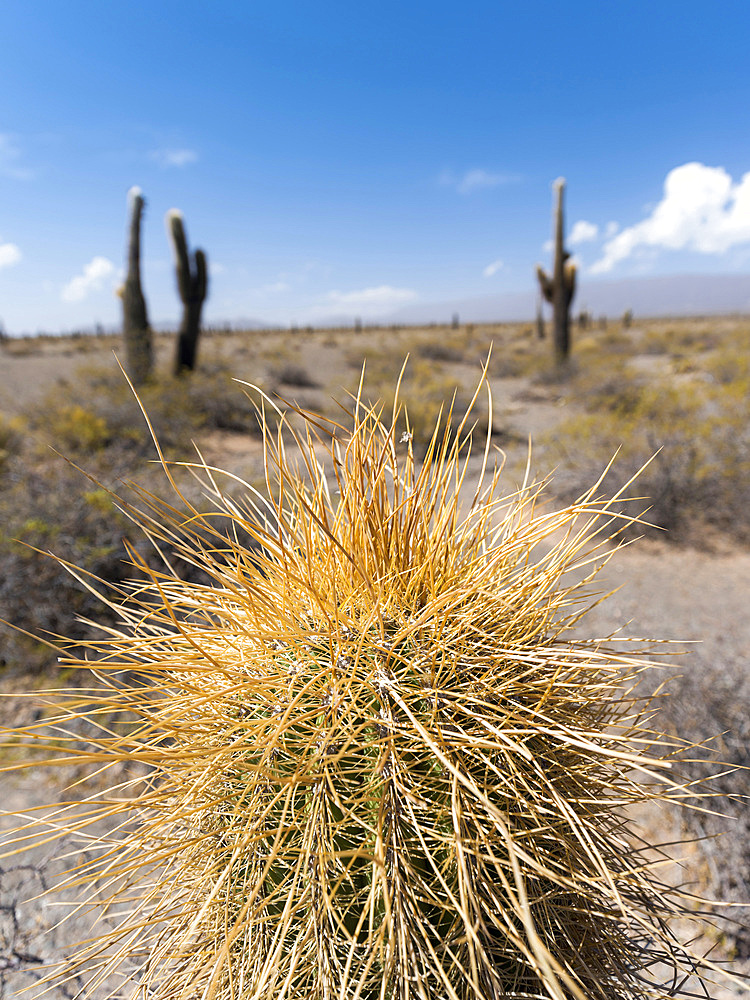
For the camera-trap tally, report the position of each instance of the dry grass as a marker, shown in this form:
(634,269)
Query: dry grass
(379,765)
(694,416)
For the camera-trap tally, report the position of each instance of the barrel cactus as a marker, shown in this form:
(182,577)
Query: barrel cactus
(380,761)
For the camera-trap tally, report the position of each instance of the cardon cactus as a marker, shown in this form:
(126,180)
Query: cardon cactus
(192,284)
(560,288)
(380,762)
(139,351)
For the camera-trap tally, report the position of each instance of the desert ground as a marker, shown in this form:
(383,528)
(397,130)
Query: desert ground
(677,385)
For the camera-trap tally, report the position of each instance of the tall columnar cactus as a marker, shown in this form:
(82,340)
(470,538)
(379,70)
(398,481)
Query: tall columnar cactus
(139,351)
(192,284)
(560,289)
(380,763)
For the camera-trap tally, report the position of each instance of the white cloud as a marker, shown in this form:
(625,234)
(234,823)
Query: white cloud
(702,210)
(9,254)
(583,232)
(368,301)
(95,273)
(548,246)
(174,157)
(612,228)
(10,154)
(272,288)
(493,268)
(475,179)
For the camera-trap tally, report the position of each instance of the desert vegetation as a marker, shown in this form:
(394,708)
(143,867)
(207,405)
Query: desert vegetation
(675,392)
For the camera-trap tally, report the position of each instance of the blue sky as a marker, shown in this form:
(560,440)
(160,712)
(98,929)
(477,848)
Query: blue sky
(343,158)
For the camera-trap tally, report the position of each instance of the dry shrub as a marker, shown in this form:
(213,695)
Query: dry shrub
(48,505)
(53,507)
(615,341)
(180,408)
(728,366)
(657,341)
(511,361)
(697,433)
(293,374)
(11,440)
(710,707)
(450,351)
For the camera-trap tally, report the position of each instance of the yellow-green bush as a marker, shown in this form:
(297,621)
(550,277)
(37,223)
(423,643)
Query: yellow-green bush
(78,429)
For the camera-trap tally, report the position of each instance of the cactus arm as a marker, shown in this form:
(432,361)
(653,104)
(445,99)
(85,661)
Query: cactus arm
(545,283)
(571,273)
(176,231)
(201,275)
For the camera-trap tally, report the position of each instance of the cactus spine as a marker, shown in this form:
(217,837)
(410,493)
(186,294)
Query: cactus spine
(192,284)
(139,350)
(560,289)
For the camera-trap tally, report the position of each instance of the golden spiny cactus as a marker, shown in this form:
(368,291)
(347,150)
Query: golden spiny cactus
(380,762)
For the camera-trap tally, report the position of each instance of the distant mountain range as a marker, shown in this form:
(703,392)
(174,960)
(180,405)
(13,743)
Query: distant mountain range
(672,295)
